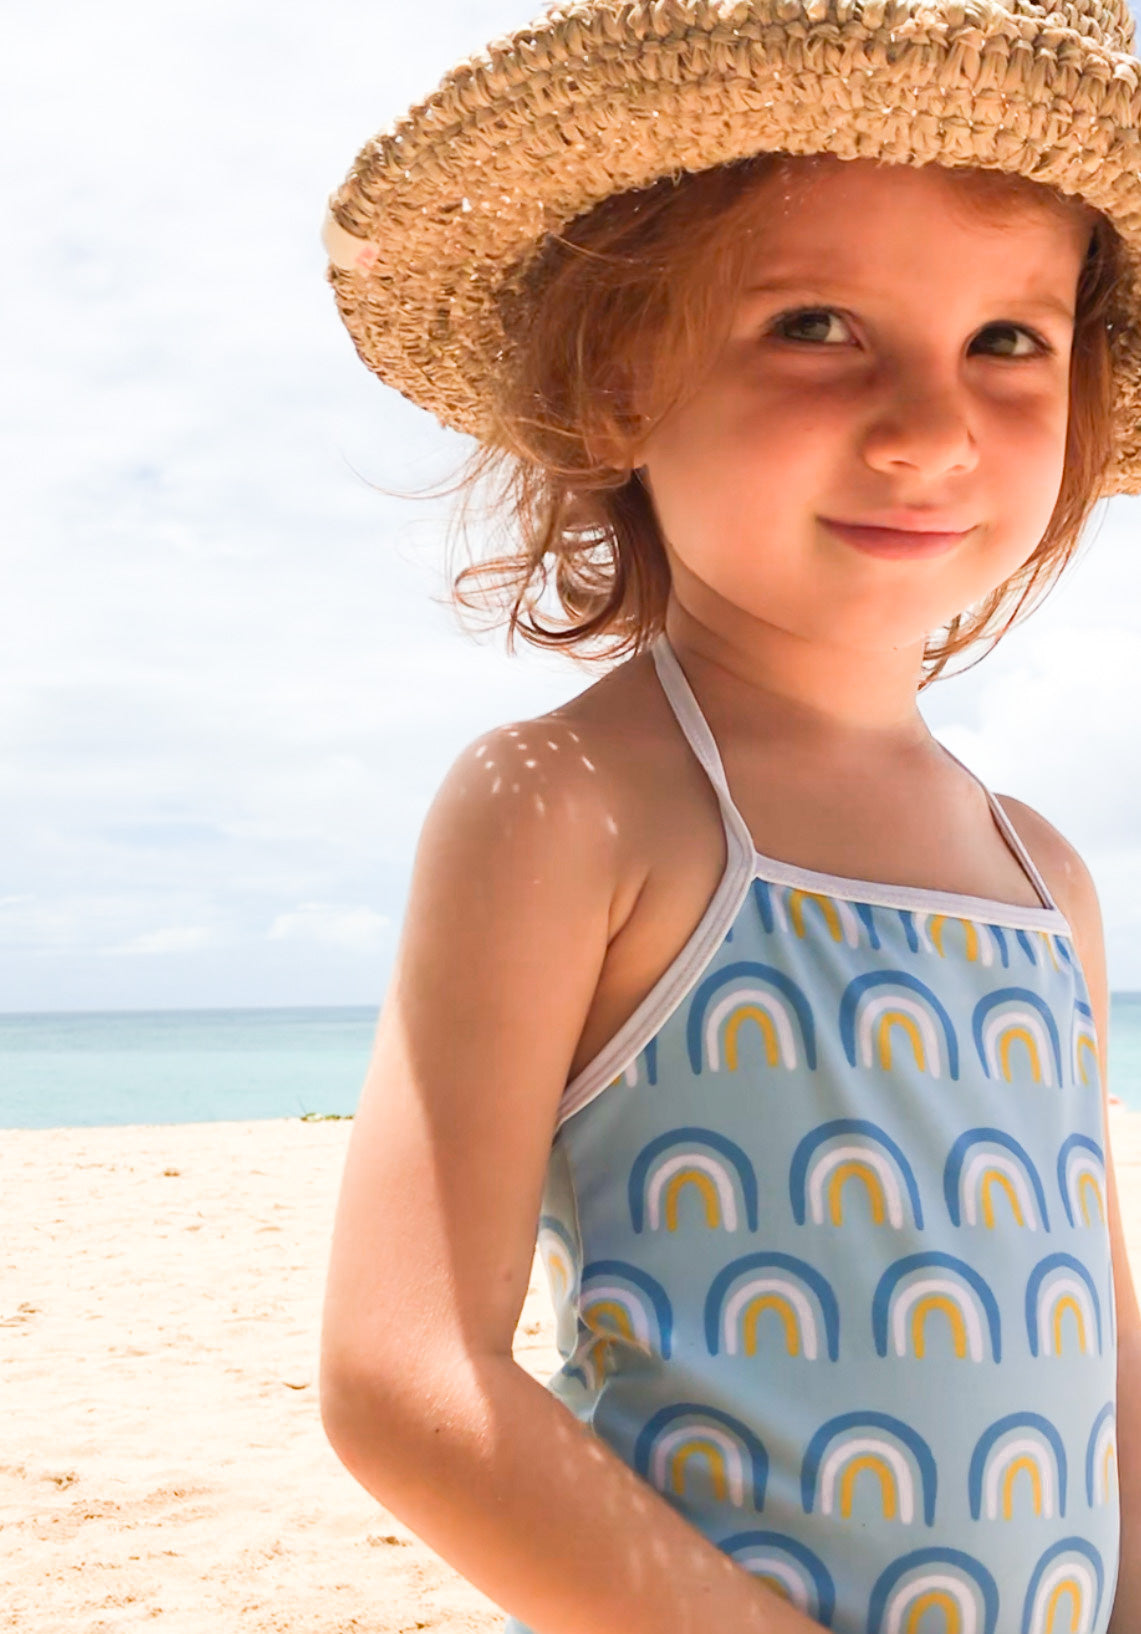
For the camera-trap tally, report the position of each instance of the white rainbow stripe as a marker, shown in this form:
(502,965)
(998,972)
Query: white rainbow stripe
(979,1177)
(1021,1454)
(861,1159)
(1084,1186)
(954,1586)
(697,1168)
(879,1012)
(1059,1296)
(788,904)
(958,1601)
(608,1306)
(788,1298)
(1083,1048)
(767,1010)
(720,1451)
(979,949)
(849,1459)
(1065,1599)
(918,1299)
(1009,1026)
(1101,1459)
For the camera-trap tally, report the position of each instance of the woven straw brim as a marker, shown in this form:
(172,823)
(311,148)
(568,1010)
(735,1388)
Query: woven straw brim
(452,203)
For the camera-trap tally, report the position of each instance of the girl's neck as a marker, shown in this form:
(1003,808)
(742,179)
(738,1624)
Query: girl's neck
(818,699)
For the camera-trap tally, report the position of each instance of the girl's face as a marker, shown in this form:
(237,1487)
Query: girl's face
(896,361)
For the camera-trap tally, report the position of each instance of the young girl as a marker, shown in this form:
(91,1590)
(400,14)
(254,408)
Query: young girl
(802,339)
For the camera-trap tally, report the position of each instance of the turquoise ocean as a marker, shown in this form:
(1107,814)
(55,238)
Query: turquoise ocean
(211,1066)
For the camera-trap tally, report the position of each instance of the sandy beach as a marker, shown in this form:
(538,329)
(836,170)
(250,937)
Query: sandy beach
(162,1463)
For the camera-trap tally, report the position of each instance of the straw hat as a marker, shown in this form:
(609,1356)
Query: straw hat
(448,206)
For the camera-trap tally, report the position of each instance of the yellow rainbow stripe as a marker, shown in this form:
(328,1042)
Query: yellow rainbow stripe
(706,1188)
(954,1314)
(995,1177)
(883,1473)
(1015,1034)
(882,1036)
(797,899)
(860,1169)
(751,1012)
(1010,1475)
(935,930)
(784,1309)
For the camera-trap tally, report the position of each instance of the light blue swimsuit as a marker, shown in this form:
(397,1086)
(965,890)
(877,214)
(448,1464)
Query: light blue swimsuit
(825,1228)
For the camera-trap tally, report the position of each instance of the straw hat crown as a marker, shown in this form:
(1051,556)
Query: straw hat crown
(446,209)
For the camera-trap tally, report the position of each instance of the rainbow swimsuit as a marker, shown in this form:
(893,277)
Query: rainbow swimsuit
(825,1229)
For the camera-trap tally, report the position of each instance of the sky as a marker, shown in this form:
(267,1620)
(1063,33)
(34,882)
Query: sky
(229,686)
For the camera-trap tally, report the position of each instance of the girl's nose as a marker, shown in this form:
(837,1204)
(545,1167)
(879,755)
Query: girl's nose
(920,424)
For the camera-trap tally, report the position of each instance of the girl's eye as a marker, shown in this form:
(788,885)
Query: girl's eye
(817,325)
(1014,341)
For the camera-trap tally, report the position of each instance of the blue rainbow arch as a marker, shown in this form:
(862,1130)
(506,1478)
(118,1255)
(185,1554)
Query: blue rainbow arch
(959,1293)
(970,1175)
(1101,1447)
(862,1153)
(620,1298)
(749,991)
(1056,1284)
(863,1008)
(843,1447)
(1017,1015)
(795,1291)
(733,1454)
(717,1166)
(1081,1163)
(957,1582)
(1071,1568)
(789,1567)
(1034,1447)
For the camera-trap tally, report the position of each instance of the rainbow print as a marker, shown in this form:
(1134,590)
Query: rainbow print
(785,1565)
(880,1000)
(977,948)
(1101,1458)
(986,1165)
(683,1440)
(894,1457)
(944,1580)
(713,1167)
(782,908)
(560,1259)
(1065,1590)
(1084,1062)
(852,1149)
(631,1076)
(1019,1445)
(625,1305)
(1081,1181)
(763,997)
(914,1289)
(1014,1016)
(1061,1288)
(800,1302)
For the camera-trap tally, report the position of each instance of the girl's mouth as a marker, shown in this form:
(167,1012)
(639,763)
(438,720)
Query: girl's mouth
(894,541)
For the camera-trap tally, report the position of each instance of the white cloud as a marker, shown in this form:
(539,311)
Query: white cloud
(171,939)
(361,930)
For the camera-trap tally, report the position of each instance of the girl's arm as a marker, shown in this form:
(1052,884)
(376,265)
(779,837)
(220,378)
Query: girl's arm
(515,896)
(1084,914)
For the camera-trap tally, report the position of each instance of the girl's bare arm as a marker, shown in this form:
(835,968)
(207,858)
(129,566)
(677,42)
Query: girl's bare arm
(507,925)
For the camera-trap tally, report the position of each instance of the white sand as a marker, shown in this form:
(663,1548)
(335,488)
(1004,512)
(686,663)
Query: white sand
(162,1462)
